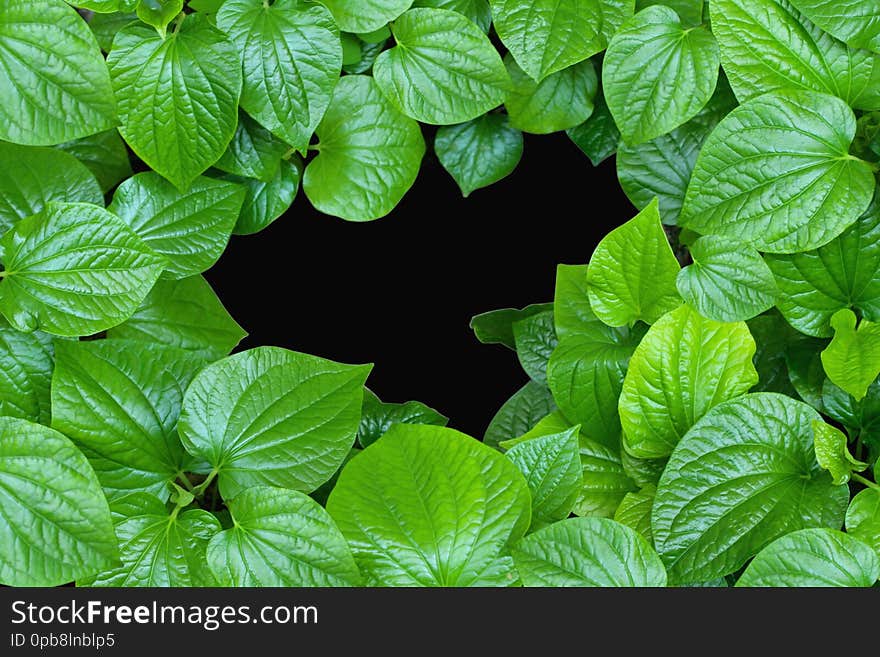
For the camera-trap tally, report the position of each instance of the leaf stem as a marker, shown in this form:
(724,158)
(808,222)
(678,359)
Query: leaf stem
(199,490)
(862,480)
(182,478)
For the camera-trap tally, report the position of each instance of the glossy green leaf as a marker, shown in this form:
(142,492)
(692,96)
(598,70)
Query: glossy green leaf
(105,155)
(377,417)
(477,11)
(519,413)
(273,417)
(54,86)
(777,172)
(159,13)
(178,97)
(606,482)
(598,136)
(535,341)
(632,272)
(26,363)
(744,475)
(813,557)
(863,518)
(280,538)
(572,314)
(496,326)
(254,152)
(74,269)
(690,11)
(56,525)
(365,15)
(635,511)
(553,422)
(857,22)
(861,418)
(832,453)
(772,336)
(105,27)
(369,154)
(191,229)
(587,552)
(479,152)
(614,14)
(443,70)
(852,360)
(560,101)
(264,202)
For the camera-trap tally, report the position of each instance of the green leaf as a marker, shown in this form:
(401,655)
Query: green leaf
(777,172)
(553,422)
(56,525)
(292,59)
(614,14)
(572,314)
(861,418)
(635,511)
(428,506)
(744,475)
(54,86)
(105,155)
(273,417)
(31,177)
(190,228)
(178,97)
(264,202)
(587,552)
(159,13)
(369,52)
(598,136)
(74,269)
(184,314)
(369,154)
(205,6)
(813,557)
(852,360)
(728,281)
(552,468)
(377,417)
(535,341)
(254,152)
(863,518)
(643,472)
(684,366)
(280,538)
(496,326)
(107,6)
(857,22)
(772,336)
(658,75)
(842,274)
(443,70)
(477,11)
(105,27)
(606,482)
(479,152)
(632,272)
(690,11)
(158,548)
(519,413)
(365,15)
(26,363)
(804,362)
(833,454)
(546,36)
(767,45)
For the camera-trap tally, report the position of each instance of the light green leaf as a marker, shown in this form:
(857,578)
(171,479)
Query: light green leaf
(479,152)
(614,14)
(292,59)
(269,416)
(105,155)
(857,22)
(264,202)
(31,177)
(26,363)
(605,480)
(280,538)
(178,97)
(496,326)
(106,6)
(546,36)
(428,506)
(552,467)
(690,11)
(74,269)
(443,70)
(635,511)
(852,360)
(643,472)
(254,152)
(744,475)
(863,518)
(56,525)
(598,136)
(535,341)
(190,228)
(587,552)
(519,413)
(632,272)
(369,154)
(158,548)
(159,13)
(811,558)
(553,422)
(477,11)
(184,314)
(365,15)
(106,26)
(572,314)
(377,417)
(777,172)
(54,86)
(658,75)
(832,453)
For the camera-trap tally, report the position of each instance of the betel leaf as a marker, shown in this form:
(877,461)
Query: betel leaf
(519,413)
(643,472)
(443,70)
(429,506)
(560,101)
(178,96)
(119,401)
(104,154)
(598,136)
(614,14)
(635,511)
(158,13)
(496,326)
(190,228)
(842,274)
(74,269)
(632,272)
(833,454)
(804,363)
(690,11)
(552,468)
(368,155)
(479,152)
(254,152)
(31,177)
(158,548)
(546,36)
(728,280)
(852,360)
(365,15)
(857,22)
(107,6)
(684,366)
(606,482)
(292,59)
(572,314)
(264,202)
(56,525)
(184,314)
(26,363)
(744,475)
(477,11)
(772,336)
(813,557)
(553,422)
(767,45)
(860,418)
(535,341)
(377,417)
(777,172)
(269,416)
(54,86)
(587,552)
(105,27)
(657,75)
(280,538)
(863,518)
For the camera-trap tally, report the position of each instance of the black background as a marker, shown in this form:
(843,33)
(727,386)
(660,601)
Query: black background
(399,292)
